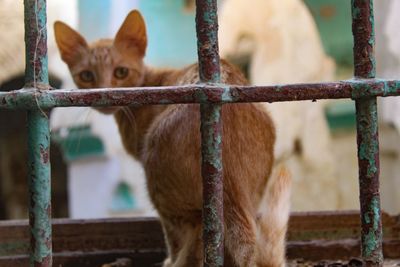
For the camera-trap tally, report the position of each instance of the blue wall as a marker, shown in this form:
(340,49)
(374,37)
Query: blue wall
(170,28)
(171,31)
(94,19)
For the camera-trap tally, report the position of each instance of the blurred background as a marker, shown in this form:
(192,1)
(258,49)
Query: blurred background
(273,41)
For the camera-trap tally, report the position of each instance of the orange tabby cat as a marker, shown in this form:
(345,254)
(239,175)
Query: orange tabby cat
(166,139)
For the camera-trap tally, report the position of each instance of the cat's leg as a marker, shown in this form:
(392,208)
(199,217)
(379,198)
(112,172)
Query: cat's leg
(184,243)
(272,220)
(191,253)
(173,239)
(240,235)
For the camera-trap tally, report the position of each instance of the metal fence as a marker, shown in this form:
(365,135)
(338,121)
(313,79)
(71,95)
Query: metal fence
(37,98)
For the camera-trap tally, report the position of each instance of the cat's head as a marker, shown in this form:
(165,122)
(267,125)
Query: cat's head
(106,63)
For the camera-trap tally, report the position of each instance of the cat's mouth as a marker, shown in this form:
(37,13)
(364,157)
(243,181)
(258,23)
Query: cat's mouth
(107,110)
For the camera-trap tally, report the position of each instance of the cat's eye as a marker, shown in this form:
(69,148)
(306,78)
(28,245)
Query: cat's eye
(121,72)
(86,76)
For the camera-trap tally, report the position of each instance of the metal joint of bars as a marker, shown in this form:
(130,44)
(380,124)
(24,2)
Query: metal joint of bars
(211,95)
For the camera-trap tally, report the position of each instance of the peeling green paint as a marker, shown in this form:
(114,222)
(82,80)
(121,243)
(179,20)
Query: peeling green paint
(211,147)
(211,133)
(370,244)
(368,154)
(367,130)
(39,185)
(376,211)
(36,71)
(36,76)
(371,240)
(212,140)
(368,126)
(371,40)
(226,95)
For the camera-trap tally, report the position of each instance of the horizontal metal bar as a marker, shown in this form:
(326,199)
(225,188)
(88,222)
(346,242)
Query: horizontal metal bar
(143,234)
(218,93)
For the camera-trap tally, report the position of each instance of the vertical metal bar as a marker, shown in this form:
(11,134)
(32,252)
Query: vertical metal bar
(39,189)
(211,135)
(36,76)
(367,135)
(36,73)
(207,40)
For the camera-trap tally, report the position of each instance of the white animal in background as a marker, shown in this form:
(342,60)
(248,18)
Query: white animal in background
(284,46)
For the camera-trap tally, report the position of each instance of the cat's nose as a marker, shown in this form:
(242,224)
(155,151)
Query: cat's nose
(105,83)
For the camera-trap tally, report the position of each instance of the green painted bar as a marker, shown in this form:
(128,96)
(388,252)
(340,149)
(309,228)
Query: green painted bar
(368,154)
(36,76)
(39,189)
(36,71)
(367,134)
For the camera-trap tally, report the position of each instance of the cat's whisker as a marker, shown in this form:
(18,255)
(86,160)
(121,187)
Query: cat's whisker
(131,117)
(88,112)
(81,119)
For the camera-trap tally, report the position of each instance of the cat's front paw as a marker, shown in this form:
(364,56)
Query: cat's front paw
(167,263)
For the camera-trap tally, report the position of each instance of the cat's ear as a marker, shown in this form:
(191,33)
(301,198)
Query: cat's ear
(69,42)
(132,34)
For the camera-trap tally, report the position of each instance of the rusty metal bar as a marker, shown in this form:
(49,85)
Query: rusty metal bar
(36,76)
(367,135)
(207,40)
(199,93)
(211,135)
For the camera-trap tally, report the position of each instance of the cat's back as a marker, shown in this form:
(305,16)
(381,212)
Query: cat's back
(173,155)
(172,149)
(230,74)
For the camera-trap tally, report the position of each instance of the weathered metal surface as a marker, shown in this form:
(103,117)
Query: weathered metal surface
(200,93)
(211,151)
(209,95)
(36,72)
(39,188)
(364,38)
(368,158)
(367,134)
(211,135)
(311,236)
(36,76)
(304,226)
(207,40)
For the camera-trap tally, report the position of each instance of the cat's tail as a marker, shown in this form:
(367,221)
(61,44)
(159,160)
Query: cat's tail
(272,220)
